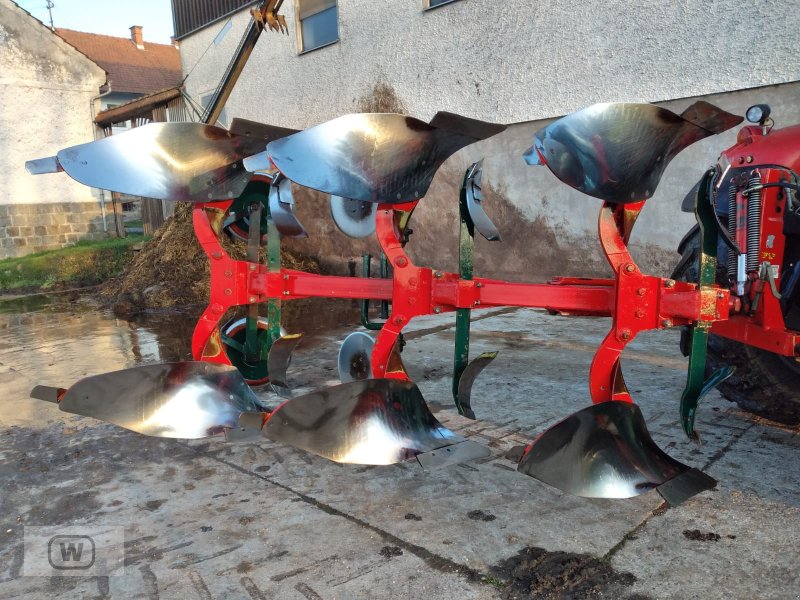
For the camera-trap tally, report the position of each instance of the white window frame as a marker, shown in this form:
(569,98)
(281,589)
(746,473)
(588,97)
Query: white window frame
(223,116)
(299,26)
(426,4)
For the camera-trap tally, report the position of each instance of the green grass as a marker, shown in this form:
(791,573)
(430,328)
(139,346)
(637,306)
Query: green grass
(85,263)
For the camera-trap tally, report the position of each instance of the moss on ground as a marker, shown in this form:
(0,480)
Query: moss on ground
(86,263)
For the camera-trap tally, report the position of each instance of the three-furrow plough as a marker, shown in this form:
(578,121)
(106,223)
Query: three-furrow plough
(377,168)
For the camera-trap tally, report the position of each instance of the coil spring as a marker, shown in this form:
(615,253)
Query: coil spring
(753,222)
(732,229)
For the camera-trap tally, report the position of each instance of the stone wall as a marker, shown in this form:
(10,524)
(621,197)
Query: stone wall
(26,228)
(48,92)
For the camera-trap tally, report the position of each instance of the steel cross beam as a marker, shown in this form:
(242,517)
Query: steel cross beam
(635,302)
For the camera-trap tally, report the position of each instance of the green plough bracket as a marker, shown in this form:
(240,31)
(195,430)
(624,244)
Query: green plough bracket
(273,266)
(464,372)
(697,385)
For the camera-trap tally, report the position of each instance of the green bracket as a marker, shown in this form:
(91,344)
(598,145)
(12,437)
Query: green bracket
(248,350)
(697,385)
(466,247)
(273,266)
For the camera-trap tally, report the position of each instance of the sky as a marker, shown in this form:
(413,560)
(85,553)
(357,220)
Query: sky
(109,18)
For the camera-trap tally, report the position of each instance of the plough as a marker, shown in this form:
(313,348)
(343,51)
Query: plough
(377,168)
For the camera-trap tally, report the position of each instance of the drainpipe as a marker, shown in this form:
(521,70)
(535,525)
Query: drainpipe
(92,100)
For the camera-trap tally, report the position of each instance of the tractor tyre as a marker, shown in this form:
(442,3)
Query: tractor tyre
(764,383)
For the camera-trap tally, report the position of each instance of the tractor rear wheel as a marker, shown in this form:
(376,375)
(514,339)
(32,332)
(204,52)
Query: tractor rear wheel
(764,383)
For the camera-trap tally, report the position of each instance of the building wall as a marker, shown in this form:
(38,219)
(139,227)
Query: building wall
(517,62)
(547,228)
(506,61)
(46,87)
(113,100)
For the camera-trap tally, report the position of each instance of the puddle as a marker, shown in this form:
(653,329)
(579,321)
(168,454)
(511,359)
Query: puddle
(59,302)
(28,322)
(60,338)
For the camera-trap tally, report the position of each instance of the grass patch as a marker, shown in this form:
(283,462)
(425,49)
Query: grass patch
(85,263)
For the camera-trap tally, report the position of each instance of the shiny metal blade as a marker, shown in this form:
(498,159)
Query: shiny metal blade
(354,218)
(370,422)
(602,451)
(477,130)
(689,483)
(39,166)
(618,152)
(258,163)
(278,361)
(248,429)
(355,357)
(172,400)
(374,157)
(531,156)
(263,131)
(710,117)
(467,379)
(47,393)
(170,161)
(281,209)
(452,455)
(474,197)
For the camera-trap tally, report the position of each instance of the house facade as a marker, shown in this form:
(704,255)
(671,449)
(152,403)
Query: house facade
(49,93)
(135,68)
(144,85)
(61,89)
(515,62)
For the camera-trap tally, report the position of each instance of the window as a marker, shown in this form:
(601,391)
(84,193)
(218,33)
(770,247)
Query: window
(205,100)
(435,3)
(318,23)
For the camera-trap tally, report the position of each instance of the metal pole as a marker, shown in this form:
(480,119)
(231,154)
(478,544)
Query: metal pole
(50,7)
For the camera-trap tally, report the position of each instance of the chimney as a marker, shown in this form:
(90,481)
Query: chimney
(136,37)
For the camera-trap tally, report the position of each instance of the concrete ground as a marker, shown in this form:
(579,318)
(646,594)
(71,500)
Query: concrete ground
(214,520)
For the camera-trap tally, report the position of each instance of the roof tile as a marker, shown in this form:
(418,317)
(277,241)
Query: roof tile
(129,69)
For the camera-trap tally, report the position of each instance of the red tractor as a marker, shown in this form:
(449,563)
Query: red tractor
(756,198)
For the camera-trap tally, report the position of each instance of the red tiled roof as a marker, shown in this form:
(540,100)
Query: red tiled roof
(156,67)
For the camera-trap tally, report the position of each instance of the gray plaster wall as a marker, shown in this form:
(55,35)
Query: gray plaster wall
(522,63)
(509,61)
(560,223)
(46,92)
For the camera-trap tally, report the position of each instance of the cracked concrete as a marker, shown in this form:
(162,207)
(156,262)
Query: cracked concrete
(213,520)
